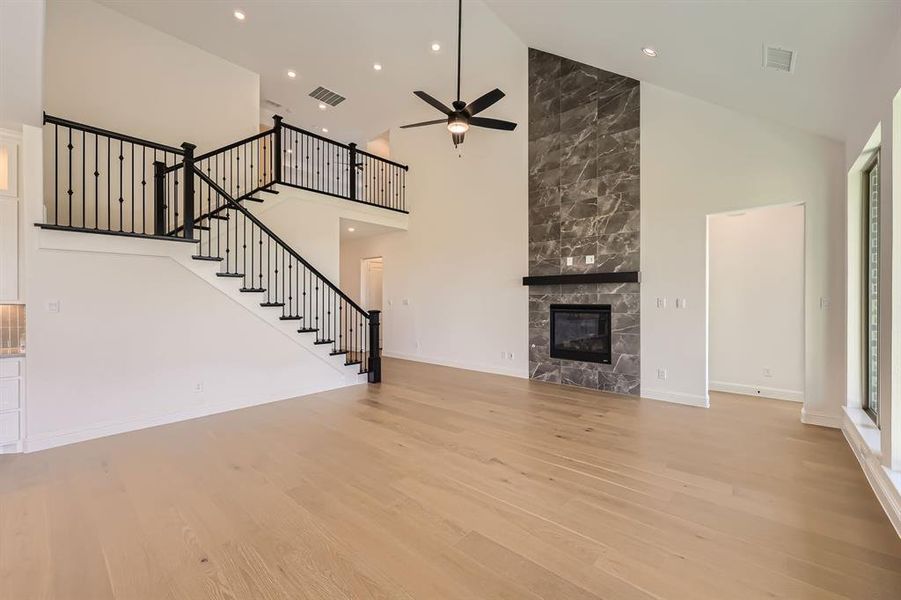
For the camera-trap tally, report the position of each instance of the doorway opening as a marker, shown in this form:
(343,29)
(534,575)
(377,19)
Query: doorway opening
(371,270)
(755,302)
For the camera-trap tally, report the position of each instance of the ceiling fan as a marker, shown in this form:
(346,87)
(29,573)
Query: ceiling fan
(462,116)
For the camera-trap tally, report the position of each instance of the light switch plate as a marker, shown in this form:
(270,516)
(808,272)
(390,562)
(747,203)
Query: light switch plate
(53,306)
(589,260)
(661,302)
(569,261)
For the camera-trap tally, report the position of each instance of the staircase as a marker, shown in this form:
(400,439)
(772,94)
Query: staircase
(113,184)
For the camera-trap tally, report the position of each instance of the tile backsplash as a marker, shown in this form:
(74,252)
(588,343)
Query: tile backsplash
(12,326)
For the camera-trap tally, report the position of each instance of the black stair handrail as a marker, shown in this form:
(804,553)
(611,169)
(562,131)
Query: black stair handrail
(130,139)
(331,141)
(234,204)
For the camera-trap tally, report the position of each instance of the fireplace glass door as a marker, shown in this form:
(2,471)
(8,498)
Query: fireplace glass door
(580,332)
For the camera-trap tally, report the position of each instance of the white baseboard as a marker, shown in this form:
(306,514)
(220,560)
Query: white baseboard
(886,484)
(822,419)
(71,436)
(676,397)
(469,366)
(752,390)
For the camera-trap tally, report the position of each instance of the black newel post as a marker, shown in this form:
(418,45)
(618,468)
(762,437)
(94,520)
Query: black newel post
(188,191)
(353,171)
(159,199)
(277,149)
(375,350)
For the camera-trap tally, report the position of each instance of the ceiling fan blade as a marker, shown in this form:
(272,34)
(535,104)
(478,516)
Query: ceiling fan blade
(492,123)
(480,104)
(436,103)
(424,123)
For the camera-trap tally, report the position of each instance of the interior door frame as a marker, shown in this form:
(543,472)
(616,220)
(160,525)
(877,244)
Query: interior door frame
(364,279)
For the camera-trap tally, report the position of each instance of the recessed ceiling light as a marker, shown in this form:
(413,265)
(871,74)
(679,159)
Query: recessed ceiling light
(292,74)
(322,106)
(648,51)
(377,66)
(351,229)
(239,15)
(436,46)
(324,130)
(290,151)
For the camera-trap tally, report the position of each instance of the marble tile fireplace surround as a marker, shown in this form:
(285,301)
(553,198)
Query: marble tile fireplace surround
(584,212)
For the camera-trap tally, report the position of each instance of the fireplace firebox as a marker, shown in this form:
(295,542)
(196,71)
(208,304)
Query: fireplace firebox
(581,332)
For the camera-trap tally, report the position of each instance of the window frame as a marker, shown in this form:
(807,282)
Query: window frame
(874,163)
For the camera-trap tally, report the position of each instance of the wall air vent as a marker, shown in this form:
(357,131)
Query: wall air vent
(779,58)
(327,96)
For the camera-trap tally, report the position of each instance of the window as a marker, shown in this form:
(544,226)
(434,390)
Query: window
(871,283)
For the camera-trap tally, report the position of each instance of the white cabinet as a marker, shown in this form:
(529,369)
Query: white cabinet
(12,390)
(9,249)
(9,394)
(9,428)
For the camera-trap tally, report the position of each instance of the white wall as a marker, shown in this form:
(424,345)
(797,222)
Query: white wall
(21,52)
(459,268)
(756,302)
(104,69)
(311,224)
(698,159)
(876,102)
(309,227)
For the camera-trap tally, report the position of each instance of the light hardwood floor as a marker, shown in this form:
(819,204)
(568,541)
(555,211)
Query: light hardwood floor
(443,483)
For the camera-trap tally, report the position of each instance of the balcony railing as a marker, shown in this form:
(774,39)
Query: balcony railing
(109,182)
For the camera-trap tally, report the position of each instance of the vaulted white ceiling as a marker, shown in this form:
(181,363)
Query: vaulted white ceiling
(711,50)
(714,49)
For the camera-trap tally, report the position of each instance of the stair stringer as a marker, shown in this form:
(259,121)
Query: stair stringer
(207,270)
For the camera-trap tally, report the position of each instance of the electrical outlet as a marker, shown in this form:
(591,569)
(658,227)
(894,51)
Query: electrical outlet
(406,302)
(198,387)
(511,357)
(824,303)
(680,302)
(661,373)
(767,372)
(53,306)
(661,302)
(569,261)
(589,260)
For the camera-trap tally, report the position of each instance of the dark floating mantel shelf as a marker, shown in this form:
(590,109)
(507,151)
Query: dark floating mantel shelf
(577,278)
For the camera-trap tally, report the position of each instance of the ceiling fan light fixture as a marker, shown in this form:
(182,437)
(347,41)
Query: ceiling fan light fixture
(457,124)
(462,116)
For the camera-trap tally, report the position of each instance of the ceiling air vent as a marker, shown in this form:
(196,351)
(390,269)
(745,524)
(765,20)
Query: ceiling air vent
(778,58)
(327,96)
